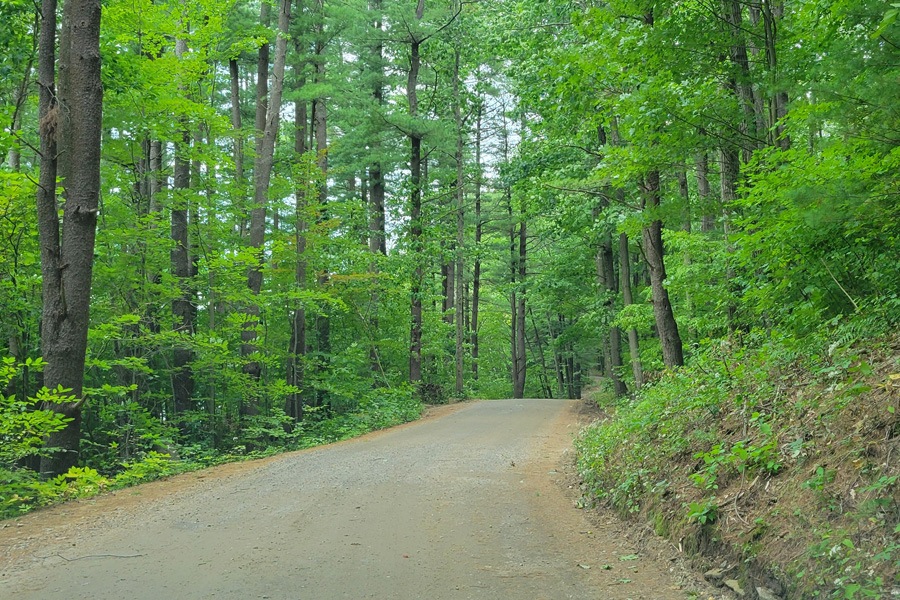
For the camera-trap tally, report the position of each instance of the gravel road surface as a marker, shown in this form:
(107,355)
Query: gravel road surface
(468,504)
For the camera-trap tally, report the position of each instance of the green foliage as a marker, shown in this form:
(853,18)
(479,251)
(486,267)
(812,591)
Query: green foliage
(720,426)
(22,490)
(127,430)
(24,423)
(705,512)
(152,466)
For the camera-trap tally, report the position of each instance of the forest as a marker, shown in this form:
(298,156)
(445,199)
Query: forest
(232,229)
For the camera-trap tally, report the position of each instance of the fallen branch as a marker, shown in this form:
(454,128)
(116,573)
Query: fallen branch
(91,556)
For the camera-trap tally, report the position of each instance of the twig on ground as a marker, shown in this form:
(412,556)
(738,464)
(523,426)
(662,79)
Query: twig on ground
(91,556)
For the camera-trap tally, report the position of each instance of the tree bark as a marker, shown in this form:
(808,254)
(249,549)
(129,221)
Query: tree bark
(67,260)
(513,300)
(297,345)
(708,218)
(545,380)
(633,345)
(686,227)
(779,99)
(606,275)
(377,237)
(557,357)
(415,211)
(673,353)
(14,157)
(754,125)
(238,148)
(521,363)
(320,125)
(182,308)
(730,171)
(268,114)
(476,276)
(460,232)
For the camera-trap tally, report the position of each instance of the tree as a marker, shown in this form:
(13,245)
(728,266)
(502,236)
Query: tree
(268,117)
(72,127)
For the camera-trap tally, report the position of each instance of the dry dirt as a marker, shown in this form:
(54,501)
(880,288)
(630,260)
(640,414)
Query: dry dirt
(474,501)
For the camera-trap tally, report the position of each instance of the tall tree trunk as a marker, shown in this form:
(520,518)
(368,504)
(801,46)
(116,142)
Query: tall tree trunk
(182,309)
(448,272)
(513,301)
(14,157)
(557,357)
(606,275)
(521,363)
(377,233)
(545,380)
(268,116)
(686,227)
(460,232)
(67,259)
(708,218)
(297,348)
(18,334)
(625,275)
(257,231)
(476,276)
(377,237)
(238,148)
(320,124)
(415,212)
(779,99)
(730,171)
(673,353)
(754,124)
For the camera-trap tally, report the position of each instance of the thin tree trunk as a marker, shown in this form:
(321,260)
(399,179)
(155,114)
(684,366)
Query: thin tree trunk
(377,233)
(686,227)
(513,303)
(182,377)
(448,274)
(14,157)
(297,348)
(521,363)
(625,275)
(257,231)
(754,120)
(476,276)
(708,219)
(607,278)
(378,237)
(460,232)
(673,353)
(238,148)
(570,371)
(320,121)
(545,380)
(730,171)
(779,99)
(557,358)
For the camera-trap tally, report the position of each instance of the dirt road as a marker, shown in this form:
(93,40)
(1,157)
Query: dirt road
(465,505)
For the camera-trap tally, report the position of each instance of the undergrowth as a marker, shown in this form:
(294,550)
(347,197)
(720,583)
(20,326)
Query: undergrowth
(776,451)
(153,448)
